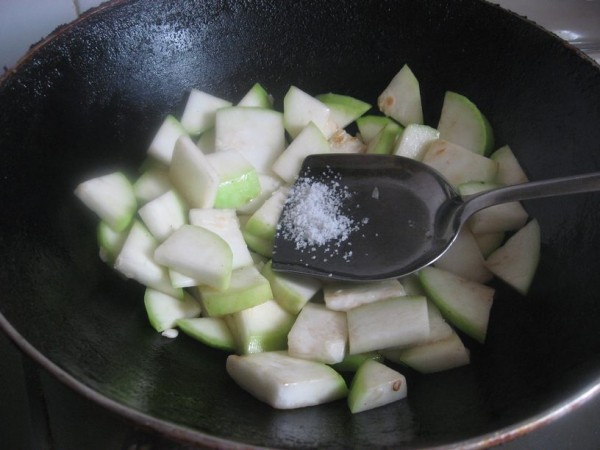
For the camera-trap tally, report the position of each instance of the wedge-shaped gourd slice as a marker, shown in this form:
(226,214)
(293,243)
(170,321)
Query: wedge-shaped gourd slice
(462,123)
(343,142)
(163,143)
(343,296)
(319,334)
(110,242)
(268,185)
(263,223)
(238,180)
(164,310)
(309,141)
(438,330)
(509,169)
(459,165)
(375,385)
(344,109)
(401,99)
(111,197)
(436,356)
(152,183)
(385,141)
(415,141)
(290,291)
(369,126)
(136,261)
(257,97)
(516,261)
(352,363)
(261,328)
(206,141)
(179,280)
(489,242)
(464,258)
(198,253)
(226,224)
(300,109)
(285,382)
(200,110)
(164,214)
(192,175)
(465,304)
(211,331)
(256,133)
(504,217)
(247,288)
(394,322)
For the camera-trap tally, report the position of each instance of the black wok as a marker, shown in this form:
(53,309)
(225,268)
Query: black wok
(88,99)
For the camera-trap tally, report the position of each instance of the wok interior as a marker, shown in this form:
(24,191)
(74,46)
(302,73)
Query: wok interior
(88,102)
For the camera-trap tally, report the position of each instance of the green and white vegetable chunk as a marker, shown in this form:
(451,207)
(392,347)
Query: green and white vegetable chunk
(375,385)
(401,99)
(200,110)
(111,197)
(516,261)
(285,382)
(164,310)
(211,331)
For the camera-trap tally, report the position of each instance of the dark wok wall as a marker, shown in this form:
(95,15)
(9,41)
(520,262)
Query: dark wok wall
(88,101)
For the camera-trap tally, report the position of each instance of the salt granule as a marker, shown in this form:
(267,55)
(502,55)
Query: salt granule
(314,215)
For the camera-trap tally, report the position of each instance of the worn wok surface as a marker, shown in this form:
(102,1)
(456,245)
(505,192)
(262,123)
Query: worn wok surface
(87,101)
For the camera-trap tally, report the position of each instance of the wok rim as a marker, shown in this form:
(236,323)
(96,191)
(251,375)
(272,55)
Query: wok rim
(188,435)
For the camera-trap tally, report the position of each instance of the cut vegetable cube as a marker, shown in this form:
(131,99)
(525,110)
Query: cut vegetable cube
(111,197)
(285,382)
(238,180)
(516,261)
(463,124)
(258,97)
(200,110)
(290,291)
(370,126)
(401,99)
(261,328)
(340,296)
(268,185)
(509,170)
(179,280)
(263,223)
(489,242)
(151,184)
(385,141)
(344,109)
(431,357)
(415,140)
(375,385)
(464,303)
(394,322)
(343,142)
(256,133)
(352,363)
(136,261)
(459,165)
(192,175)
(206,141)
(211,331)
(164,310)
(319,334)
(300,109)
(246,288)
(225,223)
(164,214)
(163,143)
(464,258)
(110,242)
(197,253)
(498,218)
(309,141)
